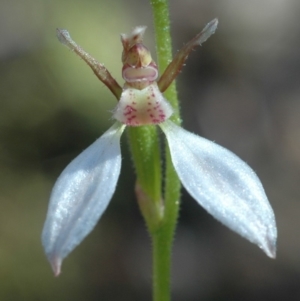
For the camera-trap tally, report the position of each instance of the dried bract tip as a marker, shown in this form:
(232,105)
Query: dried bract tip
(56,266)
(207,31)
(135,37)
(63,36)
(269,243)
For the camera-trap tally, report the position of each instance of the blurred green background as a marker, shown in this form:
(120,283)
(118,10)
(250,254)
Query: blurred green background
(241,89)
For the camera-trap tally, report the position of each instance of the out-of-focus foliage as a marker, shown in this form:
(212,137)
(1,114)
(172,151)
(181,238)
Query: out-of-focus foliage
(240,89)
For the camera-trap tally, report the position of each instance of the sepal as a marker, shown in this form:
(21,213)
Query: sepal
(80,196)
(224,185)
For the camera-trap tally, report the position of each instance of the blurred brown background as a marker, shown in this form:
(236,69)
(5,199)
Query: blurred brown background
(241,89)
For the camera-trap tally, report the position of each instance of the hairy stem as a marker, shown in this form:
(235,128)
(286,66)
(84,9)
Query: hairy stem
(162,239)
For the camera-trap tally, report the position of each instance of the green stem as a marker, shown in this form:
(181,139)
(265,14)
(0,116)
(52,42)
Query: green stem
(160,213)
(161,18)
(162,239)
(161,266)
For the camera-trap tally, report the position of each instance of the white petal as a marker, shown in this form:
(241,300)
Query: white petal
(80,196)
(224,185)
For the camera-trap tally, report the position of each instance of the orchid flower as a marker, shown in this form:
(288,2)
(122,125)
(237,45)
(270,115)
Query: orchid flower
(217,179)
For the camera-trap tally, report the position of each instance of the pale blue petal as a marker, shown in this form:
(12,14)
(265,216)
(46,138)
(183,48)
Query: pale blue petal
(224,185)
(80,196)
